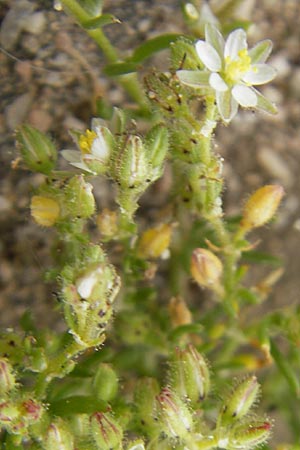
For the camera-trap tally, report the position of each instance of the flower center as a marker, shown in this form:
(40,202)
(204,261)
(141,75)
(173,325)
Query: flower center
(86,141)
(235,68)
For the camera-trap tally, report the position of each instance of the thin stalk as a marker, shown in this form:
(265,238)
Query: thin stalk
(55,367)
(128,82)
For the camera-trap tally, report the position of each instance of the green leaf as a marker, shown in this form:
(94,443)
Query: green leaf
(176,334)
(152,46)
(264,104)
(122,68)
(256,257)
(100,21)
(285,368)
(248,296)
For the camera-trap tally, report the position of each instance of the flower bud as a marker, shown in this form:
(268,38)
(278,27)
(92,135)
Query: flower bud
(31,411)
(190,374)
(131,166)
(106,432)
(248,436)
(44,210)
(261,206)
(145,400)
(241,400)
(174,416)
(179,312)
(155,241)
(9,412)
(206,267)
(156,143)
(37,150)
(79,199)
(7,377)
(105,383)
(58,437)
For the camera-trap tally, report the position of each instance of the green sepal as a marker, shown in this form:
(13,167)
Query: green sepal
(100,21)
(37,149)
(77,404)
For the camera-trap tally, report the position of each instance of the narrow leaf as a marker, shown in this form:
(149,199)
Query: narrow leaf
(122,68)
(285,368)
(100,21)
(152,46)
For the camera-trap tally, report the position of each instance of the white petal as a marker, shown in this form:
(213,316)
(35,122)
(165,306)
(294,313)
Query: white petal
(100,148)
(217,82)
(194,78)
(227,105)
(82,166)
(244,95)
(214,38)
(236,41)
(86,284)
(259,74)
(71,155)
(260,52)
(209,56)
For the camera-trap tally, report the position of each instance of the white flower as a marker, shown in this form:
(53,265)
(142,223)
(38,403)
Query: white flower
(95,150)
(231,70)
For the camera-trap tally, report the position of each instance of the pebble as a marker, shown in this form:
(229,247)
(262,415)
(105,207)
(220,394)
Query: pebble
(5,204)
(24,70)
(40,119)
(275,166)
(295,83)
(17,111)
(35,23)
(12,24)
(281,64)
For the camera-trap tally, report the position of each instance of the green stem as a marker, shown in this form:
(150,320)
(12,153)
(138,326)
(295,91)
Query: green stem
(129,82)
(54,368)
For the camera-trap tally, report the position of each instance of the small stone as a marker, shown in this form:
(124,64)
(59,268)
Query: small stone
(35,23)
(24,70)
(5,205)
(12,24)
(40,119)
(16,112)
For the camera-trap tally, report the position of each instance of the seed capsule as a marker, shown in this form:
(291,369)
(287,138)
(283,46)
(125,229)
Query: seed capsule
(241,400)
(206,267)
(261,206)
(44,210)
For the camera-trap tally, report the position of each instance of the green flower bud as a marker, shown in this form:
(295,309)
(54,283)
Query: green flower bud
(105,383)
(131,165)
(79,200)
(106,432)
(7,377)
(183,54)
(175,418)
(190,375)
(58,437)
(240,401)
(37,150)
(31,411)
(156,143)
(145,400)
(9,412)
(248,436)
